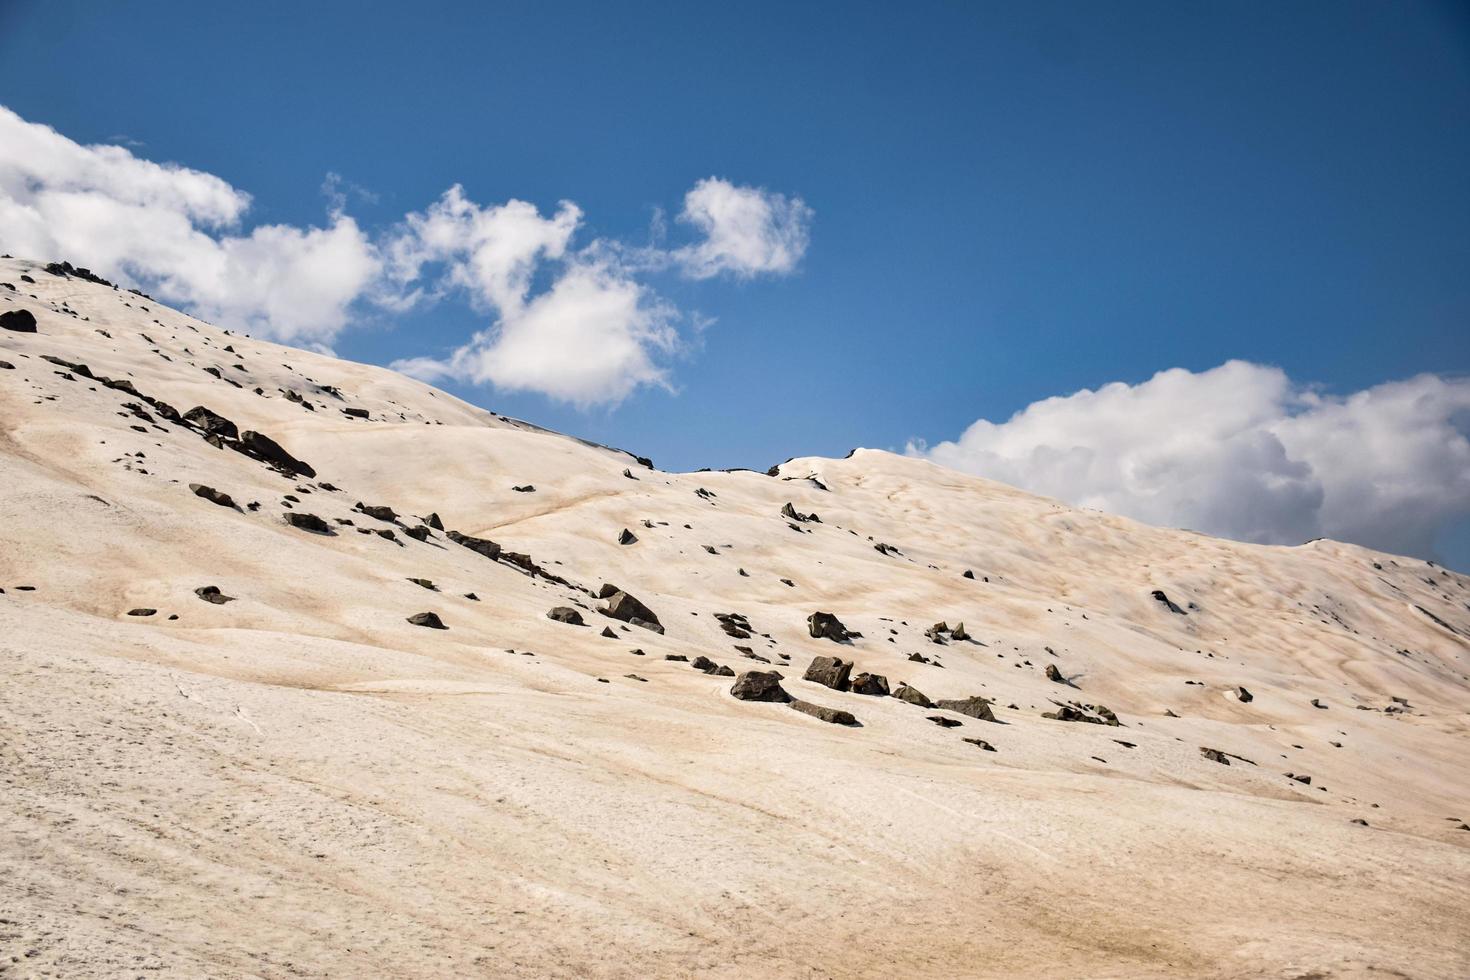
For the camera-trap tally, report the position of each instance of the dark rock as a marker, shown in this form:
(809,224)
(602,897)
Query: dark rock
(971,707)
(1054,675)
(824,625)
(723,671)
(1359,821)
(705,664)
(427,619)
(381,513)
(142,612)
(1318,704)
(912,695)
(676,657)
(1091,714)
(211,593)
(944,722)
(211,422)
(21,321)
(608,632)
(829,672)
(1304,780)
(6,366)
(1214,755)
(308,522)
(212,495)
(1159,595)
(970,575)
(791,512)
(432,520)
(832,715)
(525,489)
(1244,696)
(627,537)
(265,448)
(760,685)
(873,685)
(419,533)
(357,413)
(886,550)
(424,583)
(622,606)
(566,614)
(481,546)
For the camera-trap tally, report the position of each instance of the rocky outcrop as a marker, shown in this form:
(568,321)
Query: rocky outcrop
(972,707)
(911,695)
(481,546)
(834,716)
(824,625)
(760,685)
(873,685)
(829,672)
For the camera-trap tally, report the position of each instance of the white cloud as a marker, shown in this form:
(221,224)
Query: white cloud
(168,228)
(747,231)
(591,338)
(1242,451)
(576,324)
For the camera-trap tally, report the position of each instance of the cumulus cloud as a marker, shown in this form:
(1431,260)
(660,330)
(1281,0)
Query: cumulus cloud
(1243,451)
(173,230)
(576,323)
(746,231)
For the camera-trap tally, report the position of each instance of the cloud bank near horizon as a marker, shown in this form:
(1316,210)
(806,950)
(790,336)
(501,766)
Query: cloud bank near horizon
(1245,452)
(594,332)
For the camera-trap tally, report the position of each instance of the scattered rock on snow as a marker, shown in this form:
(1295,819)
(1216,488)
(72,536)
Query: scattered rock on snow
(212,495)
(759,685)
(211,593)
(427,619)
(873,685)
(834,716)
(566,614)
(829,672)
(824,625)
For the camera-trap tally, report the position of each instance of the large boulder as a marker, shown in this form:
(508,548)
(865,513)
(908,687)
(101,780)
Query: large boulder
(21,321)
(760,685)
(566,614)
(973,707)
(265,448)
(824,625)
(829,672)
(912,695)
(622,606)
(873,685)
(482,546)
(211,422)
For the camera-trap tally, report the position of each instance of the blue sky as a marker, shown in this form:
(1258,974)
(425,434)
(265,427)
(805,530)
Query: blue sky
(1008,203)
